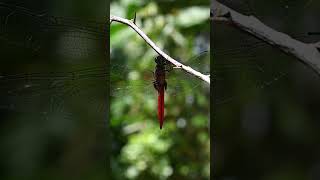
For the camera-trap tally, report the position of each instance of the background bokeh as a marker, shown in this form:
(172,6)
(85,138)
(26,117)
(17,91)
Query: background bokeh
(266,116)
(140,150)
(53,89)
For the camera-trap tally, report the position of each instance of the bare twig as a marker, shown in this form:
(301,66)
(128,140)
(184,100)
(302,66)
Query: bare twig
(308,53)
(177,64)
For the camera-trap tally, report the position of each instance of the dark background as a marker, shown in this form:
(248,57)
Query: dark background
(53,89)
(266,115)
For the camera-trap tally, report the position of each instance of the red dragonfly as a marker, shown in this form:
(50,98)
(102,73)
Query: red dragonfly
(128,86)
(160,85)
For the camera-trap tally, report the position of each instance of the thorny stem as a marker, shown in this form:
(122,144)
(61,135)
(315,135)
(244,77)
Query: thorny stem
(177,64)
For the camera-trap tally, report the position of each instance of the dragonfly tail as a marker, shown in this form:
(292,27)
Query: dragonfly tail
(161,106)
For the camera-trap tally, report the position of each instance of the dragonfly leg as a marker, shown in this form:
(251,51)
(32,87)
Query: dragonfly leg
(155,85)
(168,68)
(176,67)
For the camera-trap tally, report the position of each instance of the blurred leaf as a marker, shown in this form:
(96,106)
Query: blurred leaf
(192,16)
(117,10)
(199,121)
(119,37)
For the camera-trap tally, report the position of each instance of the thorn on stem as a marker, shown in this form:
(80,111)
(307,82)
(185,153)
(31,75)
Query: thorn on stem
(135,16)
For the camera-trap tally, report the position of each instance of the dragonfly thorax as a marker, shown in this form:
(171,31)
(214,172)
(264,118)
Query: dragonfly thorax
(160,60)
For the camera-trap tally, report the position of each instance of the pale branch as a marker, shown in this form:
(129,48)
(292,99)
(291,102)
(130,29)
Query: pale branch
(177,64)
(307,53)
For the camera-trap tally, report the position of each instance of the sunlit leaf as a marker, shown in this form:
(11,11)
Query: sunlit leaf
(192,16)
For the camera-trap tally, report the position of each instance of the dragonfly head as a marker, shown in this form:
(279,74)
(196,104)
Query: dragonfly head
(160,60)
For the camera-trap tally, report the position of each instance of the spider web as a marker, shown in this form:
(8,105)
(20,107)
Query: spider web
(51,64)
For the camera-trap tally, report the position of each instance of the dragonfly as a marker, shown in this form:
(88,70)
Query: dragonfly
(160,84)
(148,85)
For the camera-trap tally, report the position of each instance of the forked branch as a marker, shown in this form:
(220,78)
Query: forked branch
(177,64)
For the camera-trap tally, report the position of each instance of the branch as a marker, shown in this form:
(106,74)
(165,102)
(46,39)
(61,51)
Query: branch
(177,64)
(307,53)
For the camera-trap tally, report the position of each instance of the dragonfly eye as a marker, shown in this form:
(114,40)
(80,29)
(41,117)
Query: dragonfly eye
(159,60)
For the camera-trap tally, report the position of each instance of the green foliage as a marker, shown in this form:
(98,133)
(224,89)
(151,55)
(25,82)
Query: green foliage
(141,149)
(146,151)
